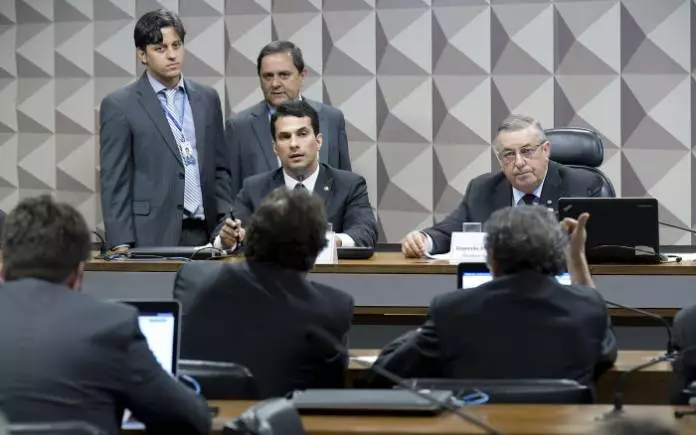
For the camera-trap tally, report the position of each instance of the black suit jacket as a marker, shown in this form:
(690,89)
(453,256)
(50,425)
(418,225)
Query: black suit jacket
(684,336)
(490,192)
(70,356)
(343,193)
(141,172)
(518,326)
(257,315)
(250,143)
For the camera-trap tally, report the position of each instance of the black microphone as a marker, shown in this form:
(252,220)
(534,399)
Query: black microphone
(621,384)
(326,339)
(665,323)
(678,227)
(102,243)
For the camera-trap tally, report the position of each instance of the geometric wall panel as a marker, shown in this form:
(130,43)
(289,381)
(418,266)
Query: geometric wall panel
(422,84)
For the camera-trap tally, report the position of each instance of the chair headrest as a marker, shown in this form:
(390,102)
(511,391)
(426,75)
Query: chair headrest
(575,146)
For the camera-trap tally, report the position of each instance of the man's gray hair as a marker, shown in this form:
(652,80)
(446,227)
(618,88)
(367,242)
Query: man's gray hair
(516,122)
(526,238)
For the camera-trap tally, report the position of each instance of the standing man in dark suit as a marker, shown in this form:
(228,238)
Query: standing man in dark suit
(164,169)
(523,323)
(270,295)
(65,355)
(281,70)
(294,125)
(526,177)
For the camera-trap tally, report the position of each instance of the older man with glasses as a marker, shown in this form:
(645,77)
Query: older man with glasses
(527,177)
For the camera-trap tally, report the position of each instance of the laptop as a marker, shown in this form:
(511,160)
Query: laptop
(470,275)
(357,401)
(188,252)
(160,324)
(620,230)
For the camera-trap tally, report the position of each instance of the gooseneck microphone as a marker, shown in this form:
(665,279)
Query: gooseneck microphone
(621,384)
(102,243)
(324,338)
(677,227)
(665,323)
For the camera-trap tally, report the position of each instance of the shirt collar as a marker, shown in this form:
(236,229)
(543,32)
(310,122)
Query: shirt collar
(308,182)
(517,195)
(157,86)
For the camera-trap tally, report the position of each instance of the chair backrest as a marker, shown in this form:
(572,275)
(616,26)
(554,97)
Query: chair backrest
(270,417)
(57,427)
(579,148)
(220,380)
(544,391)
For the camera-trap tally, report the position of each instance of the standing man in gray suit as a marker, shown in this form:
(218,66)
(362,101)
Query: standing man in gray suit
(281,70)
(164,168)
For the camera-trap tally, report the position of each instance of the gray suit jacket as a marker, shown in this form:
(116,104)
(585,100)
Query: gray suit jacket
(142,176)
(490,192)
(70,356)
(248,137)
(344,194)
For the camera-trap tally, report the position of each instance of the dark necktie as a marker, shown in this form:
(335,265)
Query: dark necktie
(529,199)
(300,186)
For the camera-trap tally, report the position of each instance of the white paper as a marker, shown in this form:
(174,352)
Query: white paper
(365,359)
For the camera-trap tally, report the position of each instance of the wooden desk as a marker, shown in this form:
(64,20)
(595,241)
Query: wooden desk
(509,419)
(649,386)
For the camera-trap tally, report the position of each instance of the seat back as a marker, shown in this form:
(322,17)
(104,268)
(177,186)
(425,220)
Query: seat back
(220,380)
(188,283)
(580,148)
(57,427)
(543,391)
(270,417)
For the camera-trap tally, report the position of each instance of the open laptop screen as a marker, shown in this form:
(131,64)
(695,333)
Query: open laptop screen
(159,323)
(470,275)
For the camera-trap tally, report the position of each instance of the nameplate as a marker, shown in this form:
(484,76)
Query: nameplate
(328,255)
(468,247)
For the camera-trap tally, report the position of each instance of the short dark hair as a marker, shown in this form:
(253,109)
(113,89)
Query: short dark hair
(288,229)
(276,47)
(44,239)
(298,109)
(526,238)
(148,29)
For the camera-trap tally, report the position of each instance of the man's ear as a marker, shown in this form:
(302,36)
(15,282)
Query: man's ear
(74,280)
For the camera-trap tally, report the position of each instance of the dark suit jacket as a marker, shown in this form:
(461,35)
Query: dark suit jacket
(70,356)
(490,192)
(142,175)
(518,326)
(2,223)
(344,194)
(257,315)
(684,336)
(249,139)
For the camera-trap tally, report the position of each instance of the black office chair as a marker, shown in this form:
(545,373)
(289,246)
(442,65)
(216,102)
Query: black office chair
(579,148)
(545,391)
(270,417)
(58,427)
(220,380)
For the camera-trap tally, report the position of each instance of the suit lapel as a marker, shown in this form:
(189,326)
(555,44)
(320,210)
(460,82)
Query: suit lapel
(502,194)
(199,116)
(324,129)
(554,187)
(278,180)
(262,130)
(153,108)
(324,186)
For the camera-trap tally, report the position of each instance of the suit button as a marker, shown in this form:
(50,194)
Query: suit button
(181,176)
(180,206)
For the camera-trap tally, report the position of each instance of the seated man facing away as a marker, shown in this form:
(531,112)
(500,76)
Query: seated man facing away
(526,177)
(684,329)
(523,323)
(256,313)
(65,355)
(295,130)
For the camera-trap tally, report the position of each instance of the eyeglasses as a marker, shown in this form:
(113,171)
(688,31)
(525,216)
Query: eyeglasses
(526,152)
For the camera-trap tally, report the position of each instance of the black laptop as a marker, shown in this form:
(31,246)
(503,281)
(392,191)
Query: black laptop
(620,230)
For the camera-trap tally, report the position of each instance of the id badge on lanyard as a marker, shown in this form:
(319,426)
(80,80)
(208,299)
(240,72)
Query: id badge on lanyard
(185,146)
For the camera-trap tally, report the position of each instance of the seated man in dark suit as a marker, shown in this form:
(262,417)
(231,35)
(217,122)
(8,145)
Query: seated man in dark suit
(295,127)
(69,356)
(684,367)
(526,177)
(523,323)
(256,313)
